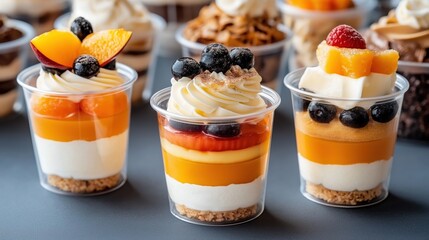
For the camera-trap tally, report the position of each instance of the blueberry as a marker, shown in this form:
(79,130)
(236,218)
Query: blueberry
(222,130)
(322,113)
(215,58)
(384,112)
(356,117)
(185,67)
(81,27)
(110,65)
(55,71)
(242,57)
(86,66)
(185,127)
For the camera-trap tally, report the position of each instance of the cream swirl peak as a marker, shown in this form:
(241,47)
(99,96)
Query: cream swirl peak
(253,8)
(414,13)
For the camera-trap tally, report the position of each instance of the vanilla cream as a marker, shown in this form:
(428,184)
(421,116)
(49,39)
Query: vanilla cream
(253,8)
(414,13)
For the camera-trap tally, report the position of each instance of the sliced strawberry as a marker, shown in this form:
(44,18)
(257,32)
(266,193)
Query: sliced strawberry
(344,36)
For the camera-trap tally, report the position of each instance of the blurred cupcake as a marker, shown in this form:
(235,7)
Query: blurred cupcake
(239,23)
(406,29)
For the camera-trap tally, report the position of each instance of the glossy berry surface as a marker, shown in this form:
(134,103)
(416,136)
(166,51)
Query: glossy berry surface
(322,113)
(242,57)
(185,67)
(344,36)
(215,58)
(223,130)
(185,127)
(111,65)
(53,70)
(356,117)
(86,66)
(81,27)
(385,112)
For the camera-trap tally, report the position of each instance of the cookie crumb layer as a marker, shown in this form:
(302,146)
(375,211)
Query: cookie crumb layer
(84,186)
(237,215)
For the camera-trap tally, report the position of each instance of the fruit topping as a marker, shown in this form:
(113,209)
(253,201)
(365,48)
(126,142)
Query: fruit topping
(54,107)
(356,117)
(185,127)
(111,65)
(242,57)
(384,112)
(385,62)
(81,27)
(215,58)
(185,67)
(105,105)
(53,70)
(322,113)
(344,36)
(322,5)
(86,66)
(222,130)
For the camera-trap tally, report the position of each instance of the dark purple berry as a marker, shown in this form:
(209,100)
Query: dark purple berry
(356,117)
(322,113)
(215,58)
(110,65)
(53,70)
(81,27)
(222,130)
(185,127)
(384,112)
(86,66)
(242,57)
(185,67)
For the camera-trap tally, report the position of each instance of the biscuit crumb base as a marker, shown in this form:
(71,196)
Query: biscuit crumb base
(84,186)
(344,198)
(240,214)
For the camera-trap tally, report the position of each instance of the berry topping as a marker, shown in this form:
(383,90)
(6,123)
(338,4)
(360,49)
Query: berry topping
(223,130)
(384,112)
(322,113)
(215,58)
(344,36)
(111,65)
(185,67)
(356,117)
(81,27)
(185,127)
(55,71)
(86,66)
(242,57)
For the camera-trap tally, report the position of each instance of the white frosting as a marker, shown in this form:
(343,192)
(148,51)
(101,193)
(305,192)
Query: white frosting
(253,8)
(414,13)
(83,159)
(217,198)
(69,82)
(172,2)
(31,7)
(361,176)
(315,79)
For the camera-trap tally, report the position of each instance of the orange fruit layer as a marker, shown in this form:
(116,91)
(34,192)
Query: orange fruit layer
(251,135)
(213,174)
(385,62)
(324,151)
(54,106)
(104,105)
(322,5)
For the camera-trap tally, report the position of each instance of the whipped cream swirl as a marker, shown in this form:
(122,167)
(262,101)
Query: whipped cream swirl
(253,8)
(414,13)
(69,82)
(216,94)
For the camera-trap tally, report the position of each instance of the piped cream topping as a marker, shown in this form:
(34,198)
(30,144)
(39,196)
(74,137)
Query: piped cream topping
(253,8)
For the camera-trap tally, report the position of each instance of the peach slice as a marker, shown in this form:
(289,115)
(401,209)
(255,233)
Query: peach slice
(322,5)
(385,62)
(105,105)
(54,107)
(105,45)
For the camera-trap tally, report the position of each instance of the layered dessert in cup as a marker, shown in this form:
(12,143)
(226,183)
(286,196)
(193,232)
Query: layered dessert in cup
(311,20)
(78,103)
(175,11)
(252,24)
(215,125)
(14,38)
(141,50)
(406,29)
(346,113)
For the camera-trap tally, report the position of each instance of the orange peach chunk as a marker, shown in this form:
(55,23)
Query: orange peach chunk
(105,105)
(54,107)
(385,62)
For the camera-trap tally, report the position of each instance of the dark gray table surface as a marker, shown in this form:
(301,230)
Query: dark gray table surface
(139,210)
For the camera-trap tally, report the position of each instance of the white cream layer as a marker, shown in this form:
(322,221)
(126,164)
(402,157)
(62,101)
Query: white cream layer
(217,198)
(361,176)
(83,159)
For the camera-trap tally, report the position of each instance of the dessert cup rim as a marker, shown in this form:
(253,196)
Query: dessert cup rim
(164,94)
(361,6)
(413,67)
(25,28)
(126,72)
(255,49)
(401,83)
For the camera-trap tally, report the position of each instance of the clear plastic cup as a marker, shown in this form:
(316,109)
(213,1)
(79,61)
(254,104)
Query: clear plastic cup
(414,121)
(80,141)
(311,27)
(14,56)
(212,180)
(268,58)
(343,166)
(144,63)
